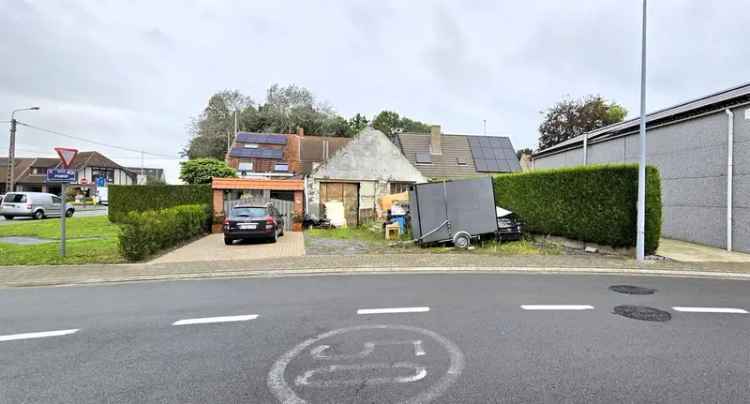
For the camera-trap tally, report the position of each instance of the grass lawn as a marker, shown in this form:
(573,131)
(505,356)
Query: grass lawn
(90,239)
(375,238)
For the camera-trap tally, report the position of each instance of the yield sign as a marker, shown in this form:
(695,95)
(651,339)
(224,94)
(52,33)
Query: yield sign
(66,155)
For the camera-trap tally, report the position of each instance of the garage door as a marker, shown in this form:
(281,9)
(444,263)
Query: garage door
(348,193)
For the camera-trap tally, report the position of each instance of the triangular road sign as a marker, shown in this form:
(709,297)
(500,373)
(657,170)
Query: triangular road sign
(66,155)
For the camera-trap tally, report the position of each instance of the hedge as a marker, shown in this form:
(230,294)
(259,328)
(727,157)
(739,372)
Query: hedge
(140,198)
(594,203)
(145,233)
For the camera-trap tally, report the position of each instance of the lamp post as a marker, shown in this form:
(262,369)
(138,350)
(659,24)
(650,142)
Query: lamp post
(10,182)
(640,244)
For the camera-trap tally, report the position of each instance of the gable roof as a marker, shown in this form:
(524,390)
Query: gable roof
(93,159)
(317,149)
(722,99)
(369,156)
(462,155)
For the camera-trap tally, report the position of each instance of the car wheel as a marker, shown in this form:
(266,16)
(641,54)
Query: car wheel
(228,241)
(462,240)
(8,217)
(275,236)
(69,213)
(38,215)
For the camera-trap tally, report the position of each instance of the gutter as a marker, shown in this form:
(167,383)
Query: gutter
(730,174)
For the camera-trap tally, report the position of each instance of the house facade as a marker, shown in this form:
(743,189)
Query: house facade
(702,150)
(440,156)
(31,173)
(364,169)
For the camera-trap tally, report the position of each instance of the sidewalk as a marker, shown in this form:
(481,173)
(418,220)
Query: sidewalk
(89,274)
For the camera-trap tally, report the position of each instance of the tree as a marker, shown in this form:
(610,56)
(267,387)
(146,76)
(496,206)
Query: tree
(521,152)
(391,123)
(211,129)
(357,123)
(200,171)
(571,117)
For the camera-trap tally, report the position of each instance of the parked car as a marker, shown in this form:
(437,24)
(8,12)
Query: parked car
(33,204)
(253,221)
(508,227)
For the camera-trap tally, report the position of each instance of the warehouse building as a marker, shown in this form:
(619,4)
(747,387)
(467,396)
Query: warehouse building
(702,150)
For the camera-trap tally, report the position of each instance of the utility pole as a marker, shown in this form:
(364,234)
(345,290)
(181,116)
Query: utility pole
(640,246)
(10,181)
(484,127)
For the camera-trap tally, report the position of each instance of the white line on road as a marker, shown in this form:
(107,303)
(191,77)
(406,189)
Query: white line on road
(391,310)
(32,335)
(710,310)
(208,320)
(556,307)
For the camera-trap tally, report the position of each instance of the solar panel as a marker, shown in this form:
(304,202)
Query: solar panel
(424,158)
(493,154)
(276,154)
(261,138)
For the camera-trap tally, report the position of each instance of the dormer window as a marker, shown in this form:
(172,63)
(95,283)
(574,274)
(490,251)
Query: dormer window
(281,167)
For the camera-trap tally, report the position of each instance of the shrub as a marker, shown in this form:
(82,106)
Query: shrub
(200,171)
(589,203)
(145,233)
(140,198)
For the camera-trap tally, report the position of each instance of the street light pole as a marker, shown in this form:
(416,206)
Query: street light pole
(10,181)
(641,218)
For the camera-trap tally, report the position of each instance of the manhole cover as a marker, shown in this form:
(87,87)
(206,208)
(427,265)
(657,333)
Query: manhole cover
(632,290)
(643,313)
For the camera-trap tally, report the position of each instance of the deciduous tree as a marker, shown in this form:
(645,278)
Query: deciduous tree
(571,117)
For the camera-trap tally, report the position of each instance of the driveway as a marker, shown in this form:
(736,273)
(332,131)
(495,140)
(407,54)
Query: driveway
(212,248)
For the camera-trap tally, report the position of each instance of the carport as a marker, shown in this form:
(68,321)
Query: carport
(286,195)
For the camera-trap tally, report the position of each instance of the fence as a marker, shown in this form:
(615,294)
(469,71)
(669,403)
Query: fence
(285,208)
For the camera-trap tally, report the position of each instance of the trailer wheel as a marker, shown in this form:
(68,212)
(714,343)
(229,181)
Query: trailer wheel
(462,240)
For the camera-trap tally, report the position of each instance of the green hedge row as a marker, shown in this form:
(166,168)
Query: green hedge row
(140,198)
(145,233)
(594,203)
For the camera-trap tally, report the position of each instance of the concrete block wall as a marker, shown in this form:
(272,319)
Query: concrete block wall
(692,160)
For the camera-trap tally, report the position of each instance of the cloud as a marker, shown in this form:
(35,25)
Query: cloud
(133,73)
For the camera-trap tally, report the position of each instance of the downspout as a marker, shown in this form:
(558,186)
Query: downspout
(585,148)
(730,173)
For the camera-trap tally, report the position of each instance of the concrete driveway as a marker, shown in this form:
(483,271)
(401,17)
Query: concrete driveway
(212,248)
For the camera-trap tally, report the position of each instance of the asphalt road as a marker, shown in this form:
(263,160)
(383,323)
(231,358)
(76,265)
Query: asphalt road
(448,338)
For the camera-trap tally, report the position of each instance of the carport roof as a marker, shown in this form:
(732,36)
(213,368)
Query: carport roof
(250,183)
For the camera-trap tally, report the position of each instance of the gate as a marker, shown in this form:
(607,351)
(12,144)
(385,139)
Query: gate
(285,208)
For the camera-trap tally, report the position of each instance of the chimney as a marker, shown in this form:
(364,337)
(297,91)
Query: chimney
(435,141)
(300,131)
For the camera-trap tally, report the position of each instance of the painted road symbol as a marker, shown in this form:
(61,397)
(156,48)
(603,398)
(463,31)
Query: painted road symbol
(398,363)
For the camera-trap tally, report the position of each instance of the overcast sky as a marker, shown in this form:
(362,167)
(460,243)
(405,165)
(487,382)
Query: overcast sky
(132,73)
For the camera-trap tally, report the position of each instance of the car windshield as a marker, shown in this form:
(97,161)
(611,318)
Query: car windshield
(15,198)
(249,212)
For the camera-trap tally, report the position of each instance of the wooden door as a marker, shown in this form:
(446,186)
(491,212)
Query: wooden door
(347,193)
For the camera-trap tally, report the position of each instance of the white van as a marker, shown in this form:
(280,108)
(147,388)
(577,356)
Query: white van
(33,204)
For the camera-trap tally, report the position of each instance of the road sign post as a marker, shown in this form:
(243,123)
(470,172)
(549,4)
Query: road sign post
(63,176)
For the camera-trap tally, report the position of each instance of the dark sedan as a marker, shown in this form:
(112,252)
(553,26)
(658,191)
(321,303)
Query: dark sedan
(252,221)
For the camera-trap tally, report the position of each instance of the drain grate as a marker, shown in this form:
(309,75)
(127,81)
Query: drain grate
(643,313)
(632,290)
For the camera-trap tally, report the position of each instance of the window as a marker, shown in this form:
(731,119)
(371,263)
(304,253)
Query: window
(283,167)
(107,173)
(15,198)
(245,166)
(460,161)
(39,171)
(251,145)
(399,187)
(245,211)
(424,158)
(56,199)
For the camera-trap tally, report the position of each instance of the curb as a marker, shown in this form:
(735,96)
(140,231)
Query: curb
(281,273)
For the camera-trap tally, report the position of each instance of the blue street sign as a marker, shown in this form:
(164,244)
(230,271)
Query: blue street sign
(101,181)
(60,175)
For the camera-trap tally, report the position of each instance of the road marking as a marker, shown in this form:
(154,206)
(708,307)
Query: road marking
(392,310)
(304,380)
(556,307)
(209,320)
(32,335)
(710,310)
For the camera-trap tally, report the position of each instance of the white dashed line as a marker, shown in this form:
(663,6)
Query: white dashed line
(730,310)
(32,335)
(209,320)
(556,307)
(392,310)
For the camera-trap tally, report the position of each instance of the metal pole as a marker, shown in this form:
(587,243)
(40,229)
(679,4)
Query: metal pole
(484,127)
(10,182)
(62,220)
(641,225)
